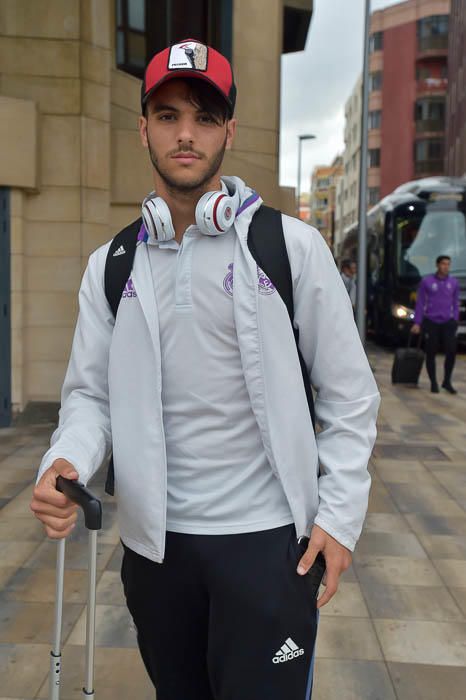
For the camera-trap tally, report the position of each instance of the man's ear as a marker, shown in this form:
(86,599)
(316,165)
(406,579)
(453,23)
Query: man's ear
(231,131)
(143,131)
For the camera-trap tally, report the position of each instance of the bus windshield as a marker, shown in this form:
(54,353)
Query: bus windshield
(421,239)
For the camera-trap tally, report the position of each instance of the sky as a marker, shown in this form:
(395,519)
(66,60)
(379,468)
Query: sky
(317,82)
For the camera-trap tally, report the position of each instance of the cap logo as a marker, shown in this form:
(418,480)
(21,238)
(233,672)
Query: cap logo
(189,55)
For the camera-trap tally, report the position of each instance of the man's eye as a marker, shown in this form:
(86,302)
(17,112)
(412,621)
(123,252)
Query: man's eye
(206,119)
(166,117)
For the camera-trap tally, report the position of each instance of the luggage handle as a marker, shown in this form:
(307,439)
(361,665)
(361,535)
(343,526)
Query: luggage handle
(92,509)
(77,492)
(419,339)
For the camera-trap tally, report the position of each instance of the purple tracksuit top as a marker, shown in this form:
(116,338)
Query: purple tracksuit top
(437,299)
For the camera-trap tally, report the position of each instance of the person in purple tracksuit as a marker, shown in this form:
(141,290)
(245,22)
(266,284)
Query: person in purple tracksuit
(437,313)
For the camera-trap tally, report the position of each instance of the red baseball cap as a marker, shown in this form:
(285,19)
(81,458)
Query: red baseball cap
(190,59)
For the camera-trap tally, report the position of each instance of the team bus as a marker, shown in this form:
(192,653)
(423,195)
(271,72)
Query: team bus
(406,231)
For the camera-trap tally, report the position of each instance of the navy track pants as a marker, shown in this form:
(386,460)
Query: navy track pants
(225,617)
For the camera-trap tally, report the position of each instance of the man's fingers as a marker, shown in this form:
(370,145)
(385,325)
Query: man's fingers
(46,491)
(45,508)
(58,534)
(59,525)
(307,559)
(331,586)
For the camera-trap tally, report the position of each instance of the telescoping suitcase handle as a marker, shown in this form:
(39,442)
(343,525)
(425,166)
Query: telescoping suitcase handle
(419,339)
(91,505)
(92,509)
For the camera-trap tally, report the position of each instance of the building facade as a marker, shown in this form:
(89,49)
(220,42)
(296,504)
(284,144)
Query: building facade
(408,84)
(407,102)
(347,186)
(72,171)
(323,198)
(455,159)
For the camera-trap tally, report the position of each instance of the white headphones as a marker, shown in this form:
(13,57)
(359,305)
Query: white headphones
(215,213)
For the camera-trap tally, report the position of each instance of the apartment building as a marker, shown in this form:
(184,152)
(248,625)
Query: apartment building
(408,78)
(347,186)
(455,157)
(408,85)
(323,198)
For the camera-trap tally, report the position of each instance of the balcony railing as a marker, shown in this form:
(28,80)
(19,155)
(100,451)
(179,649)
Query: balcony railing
(430,125)
(427,84)
(433,43)
(429,167)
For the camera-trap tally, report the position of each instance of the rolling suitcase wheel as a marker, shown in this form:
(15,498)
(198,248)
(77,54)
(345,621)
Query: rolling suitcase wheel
(92,509)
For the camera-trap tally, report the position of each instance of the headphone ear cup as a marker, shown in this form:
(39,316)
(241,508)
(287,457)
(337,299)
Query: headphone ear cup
(157,218)
(215,213)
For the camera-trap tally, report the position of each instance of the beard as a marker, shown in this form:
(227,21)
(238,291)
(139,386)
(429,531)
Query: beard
(212,166)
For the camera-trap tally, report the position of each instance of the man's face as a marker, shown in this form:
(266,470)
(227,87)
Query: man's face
(186,145)
(443,267)
(353,268)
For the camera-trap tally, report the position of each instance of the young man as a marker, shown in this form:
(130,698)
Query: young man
(197,389)
(437,312)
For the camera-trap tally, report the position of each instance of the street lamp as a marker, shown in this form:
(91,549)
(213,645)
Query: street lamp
(303,137)
(361,288)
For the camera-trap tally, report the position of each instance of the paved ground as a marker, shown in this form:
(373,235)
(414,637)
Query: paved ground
(396,629)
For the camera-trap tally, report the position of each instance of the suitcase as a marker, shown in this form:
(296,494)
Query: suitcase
(92,509)
(407,364)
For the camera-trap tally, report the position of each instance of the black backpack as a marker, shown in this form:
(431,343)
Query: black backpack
(266,243)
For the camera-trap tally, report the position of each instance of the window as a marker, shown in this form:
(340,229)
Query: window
(373,158)
(373,195)
(375,119)
(323,182)
(429,156)
(131,36)
(144,27)
(429,115)
(421,238)
(423,72)
(355,132)
(432,32)
(430,109)
(375,81)
(353,162)
(436,25)
(428,149)
(376,42)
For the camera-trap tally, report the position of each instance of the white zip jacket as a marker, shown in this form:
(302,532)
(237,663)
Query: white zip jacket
(111,396)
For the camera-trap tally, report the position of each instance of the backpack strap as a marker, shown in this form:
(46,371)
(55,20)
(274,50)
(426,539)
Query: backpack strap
(119,263)
(117,271)
(266,243)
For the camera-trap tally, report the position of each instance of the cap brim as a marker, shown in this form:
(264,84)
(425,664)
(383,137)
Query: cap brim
(186,74)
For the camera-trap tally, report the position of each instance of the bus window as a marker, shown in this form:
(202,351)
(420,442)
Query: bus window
(419,240)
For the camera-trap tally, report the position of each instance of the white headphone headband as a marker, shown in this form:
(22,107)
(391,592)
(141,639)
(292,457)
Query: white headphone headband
(215,214)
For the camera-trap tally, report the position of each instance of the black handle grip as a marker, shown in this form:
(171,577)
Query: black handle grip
(78,493)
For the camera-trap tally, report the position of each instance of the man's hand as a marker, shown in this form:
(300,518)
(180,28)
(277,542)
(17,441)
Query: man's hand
(337,559)
(416,329)
(51,507)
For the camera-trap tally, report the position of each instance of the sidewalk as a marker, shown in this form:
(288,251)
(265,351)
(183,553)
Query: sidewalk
(395,629)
